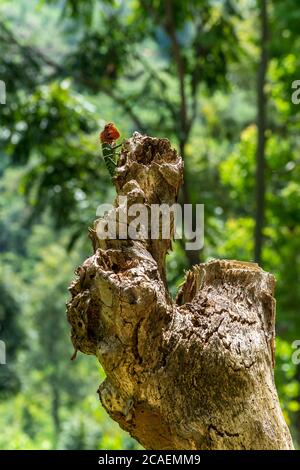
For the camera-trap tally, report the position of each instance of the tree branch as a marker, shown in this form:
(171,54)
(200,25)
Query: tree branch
(33,52)
(163,86)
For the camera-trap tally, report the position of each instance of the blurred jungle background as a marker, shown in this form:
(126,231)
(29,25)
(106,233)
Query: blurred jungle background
(213,76)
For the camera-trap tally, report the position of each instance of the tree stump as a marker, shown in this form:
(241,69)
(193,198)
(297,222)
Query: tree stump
(195,373)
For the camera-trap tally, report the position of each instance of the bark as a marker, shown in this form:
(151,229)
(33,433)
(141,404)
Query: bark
(195,373)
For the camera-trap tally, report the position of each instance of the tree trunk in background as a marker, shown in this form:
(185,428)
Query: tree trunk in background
(192,374)
(261,134)
(55,405)
(192,256)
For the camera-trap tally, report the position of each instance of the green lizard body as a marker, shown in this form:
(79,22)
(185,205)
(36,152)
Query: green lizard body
(110,157)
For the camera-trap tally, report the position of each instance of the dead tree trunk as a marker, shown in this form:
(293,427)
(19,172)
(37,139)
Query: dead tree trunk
(192,374)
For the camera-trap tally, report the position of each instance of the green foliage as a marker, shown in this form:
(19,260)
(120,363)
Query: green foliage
(11,335)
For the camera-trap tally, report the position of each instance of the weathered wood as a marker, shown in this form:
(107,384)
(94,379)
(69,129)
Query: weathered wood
(192,374)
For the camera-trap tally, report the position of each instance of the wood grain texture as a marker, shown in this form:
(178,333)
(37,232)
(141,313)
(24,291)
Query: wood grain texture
(195,373)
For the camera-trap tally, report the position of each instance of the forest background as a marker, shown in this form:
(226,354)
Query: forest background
(213,76)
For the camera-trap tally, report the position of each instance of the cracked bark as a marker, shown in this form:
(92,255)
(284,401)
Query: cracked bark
(195,373)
